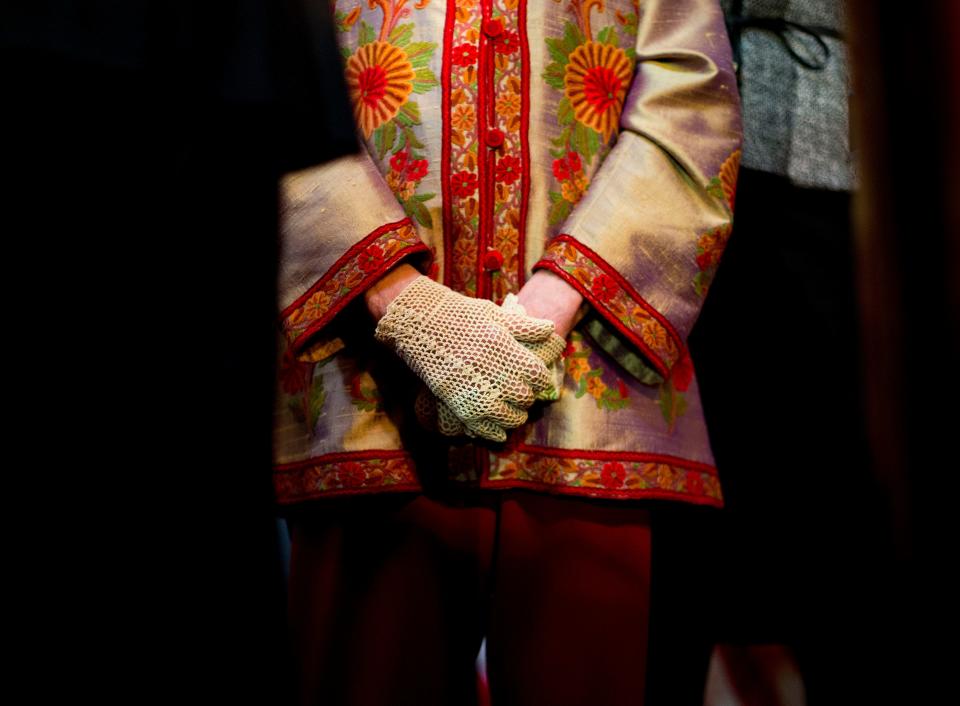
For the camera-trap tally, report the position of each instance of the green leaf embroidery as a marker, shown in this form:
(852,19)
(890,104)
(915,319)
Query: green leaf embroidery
(367,34)
(420,53)
(557,52)
(401,35)
(389,137)
(412,111)
(572,37)
(423,197)
(424,80)
(564,138)
(585,140)
(317,397)
(345,52)
(559,211)
(631,54)
(564,112)
(416,209)
(607,35)
(410,137)
(553,75)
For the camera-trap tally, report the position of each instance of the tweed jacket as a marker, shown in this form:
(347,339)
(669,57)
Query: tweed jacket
(597,139)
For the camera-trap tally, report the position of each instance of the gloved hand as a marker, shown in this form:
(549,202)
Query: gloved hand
(470,353)
(435,415)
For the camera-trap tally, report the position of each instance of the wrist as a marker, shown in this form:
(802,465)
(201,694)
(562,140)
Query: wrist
(387,288)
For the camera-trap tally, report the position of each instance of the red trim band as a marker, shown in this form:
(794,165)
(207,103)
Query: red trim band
(445,70)
(618,456)
(641,494)
(300,330)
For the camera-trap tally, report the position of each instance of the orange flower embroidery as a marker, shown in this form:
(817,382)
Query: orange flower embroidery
(380,80)
(464,117)
(728,177)
(508,104)
(595,80)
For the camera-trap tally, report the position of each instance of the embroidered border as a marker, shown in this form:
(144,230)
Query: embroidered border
(613,296)
(610,474)
(461,143)
(358,268)
(347,473)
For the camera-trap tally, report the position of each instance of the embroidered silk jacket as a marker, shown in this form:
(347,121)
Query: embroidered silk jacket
(598,139)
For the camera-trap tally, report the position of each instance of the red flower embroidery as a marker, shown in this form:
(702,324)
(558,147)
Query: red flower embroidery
(352,475)
(417,169)
(371,259)
(398,161)
(560,169)
(604,287)
(622,389)
(508,169)
(613,475)
(694,483)
(507,43)
(682,373)
(573,159)
(705,260)
(464,55)
(294,375)
(569,350)
(464,184)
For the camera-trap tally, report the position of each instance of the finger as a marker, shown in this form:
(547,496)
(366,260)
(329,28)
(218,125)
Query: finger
(448,423)
(486,429)
(507,415)
(518,393)
(527,329)
(548,351)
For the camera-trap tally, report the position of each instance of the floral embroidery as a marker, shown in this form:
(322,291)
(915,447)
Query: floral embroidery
(586,377)
(595,81)
(594,76)
(364,393)
(508,169)
(379,78)
(613,475)
(672,401)
(607,474)
(382,74)
(351,472)
(304,391)
(349,276)
(461,150)
(478,146)
(614,297)
(710,246)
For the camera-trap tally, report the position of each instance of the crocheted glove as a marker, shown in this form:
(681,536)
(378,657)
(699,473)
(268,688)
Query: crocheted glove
(470,353)
(435,415)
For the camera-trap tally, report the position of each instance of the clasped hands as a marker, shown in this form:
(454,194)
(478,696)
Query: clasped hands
(484,365)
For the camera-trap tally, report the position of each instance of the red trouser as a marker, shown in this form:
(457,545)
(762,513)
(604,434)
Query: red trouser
(390,598)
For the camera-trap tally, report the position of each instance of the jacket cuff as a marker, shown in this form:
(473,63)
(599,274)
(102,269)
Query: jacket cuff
(613,298)
(362,265)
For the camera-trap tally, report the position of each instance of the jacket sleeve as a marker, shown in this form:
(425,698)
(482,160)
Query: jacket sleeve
(341,230)
(645,239)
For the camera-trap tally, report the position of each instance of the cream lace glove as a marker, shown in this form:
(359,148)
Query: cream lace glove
(435,415)
(470,353)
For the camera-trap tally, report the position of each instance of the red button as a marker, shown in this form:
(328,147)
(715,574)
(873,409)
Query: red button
(493,260)
(493,28)
(494,137)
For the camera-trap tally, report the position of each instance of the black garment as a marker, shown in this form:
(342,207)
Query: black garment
(778,357)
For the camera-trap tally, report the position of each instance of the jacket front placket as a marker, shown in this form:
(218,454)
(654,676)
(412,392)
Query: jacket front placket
(486,179)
